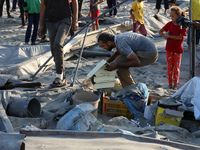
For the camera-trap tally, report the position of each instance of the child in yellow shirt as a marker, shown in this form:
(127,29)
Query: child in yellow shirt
(136,13)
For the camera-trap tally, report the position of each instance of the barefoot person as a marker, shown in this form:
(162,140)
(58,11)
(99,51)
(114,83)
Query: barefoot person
(136,13)
(58,16)
(133,50)
(174,47)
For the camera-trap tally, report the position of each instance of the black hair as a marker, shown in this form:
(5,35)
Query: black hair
(178,11)
(105,37)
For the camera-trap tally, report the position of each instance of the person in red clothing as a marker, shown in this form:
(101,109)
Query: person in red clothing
(174,48)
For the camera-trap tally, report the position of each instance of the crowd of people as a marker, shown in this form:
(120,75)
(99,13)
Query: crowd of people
(61,19)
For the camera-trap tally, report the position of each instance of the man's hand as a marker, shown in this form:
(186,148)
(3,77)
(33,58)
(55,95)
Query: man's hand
(39,32)
(112,66)
(26,14)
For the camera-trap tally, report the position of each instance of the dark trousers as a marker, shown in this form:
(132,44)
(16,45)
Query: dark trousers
(112,3)
(158,4)
(71,31)
(21,5)
(7,7)
(80,5)
(33,19)
(58,32)
(14,4)
(197,36)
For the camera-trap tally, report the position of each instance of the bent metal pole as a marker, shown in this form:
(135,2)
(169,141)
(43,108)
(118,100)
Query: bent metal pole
(33,76)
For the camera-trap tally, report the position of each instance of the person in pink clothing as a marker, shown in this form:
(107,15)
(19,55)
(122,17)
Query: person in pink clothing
(174,49)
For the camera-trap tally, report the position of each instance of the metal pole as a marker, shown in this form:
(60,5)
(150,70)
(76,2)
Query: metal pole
(193,52)
(72,84)
(190,40)
(33,76)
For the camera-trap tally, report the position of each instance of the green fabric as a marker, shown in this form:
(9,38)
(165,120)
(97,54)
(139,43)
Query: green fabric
(32,6)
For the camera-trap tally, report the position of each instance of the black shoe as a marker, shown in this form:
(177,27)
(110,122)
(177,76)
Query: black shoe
(10,16)
(33,43)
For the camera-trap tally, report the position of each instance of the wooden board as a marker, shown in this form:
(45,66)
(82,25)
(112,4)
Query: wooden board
(100,79)
(95,69)
(104,85)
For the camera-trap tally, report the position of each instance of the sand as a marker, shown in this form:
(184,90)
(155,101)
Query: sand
(52,100)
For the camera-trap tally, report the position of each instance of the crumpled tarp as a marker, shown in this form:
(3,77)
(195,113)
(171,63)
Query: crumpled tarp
(135,97)
(189,93)
(23,61)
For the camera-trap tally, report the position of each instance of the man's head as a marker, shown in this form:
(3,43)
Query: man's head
(106,40)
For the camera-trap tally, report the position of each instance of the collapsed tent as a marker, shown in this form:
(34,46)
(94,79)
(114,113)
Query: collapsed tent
(189,94)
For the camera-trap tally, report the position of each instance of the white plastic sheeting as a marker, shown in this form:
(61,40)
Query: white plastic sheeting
(24,61)
(190,93)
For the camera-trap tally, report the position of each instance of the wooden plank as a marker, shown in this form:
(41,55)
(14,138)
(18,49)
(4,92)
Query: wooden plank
(85,46)
(103,72)
(95,69)
(93,35)
(25,85)
(104,85)
(5,124)
(100,79)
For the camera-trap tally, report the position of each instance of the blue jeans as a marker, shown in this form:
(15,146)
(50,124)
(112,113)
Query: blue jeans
(58,32)
(33,19)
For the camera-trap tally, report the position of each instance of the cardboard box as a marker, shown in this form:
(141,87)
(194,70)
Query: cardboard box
(167,116)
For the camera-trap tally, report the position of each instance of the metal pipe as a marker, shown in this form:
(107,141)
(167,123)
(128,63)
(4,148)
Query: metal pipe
(33,76)
(190,40)
(72,84)
(193,71)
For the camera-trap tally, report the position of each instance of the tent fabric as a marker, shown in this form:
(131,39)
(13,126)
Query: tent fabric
(189,94)
(23,61)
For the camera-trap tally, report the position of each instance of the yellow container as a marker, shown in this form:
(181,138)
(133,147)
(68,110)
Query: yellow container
(113,108)
(168,116)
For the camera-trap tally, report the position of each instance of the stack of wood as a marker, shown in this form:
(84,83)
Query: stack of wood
(101,77)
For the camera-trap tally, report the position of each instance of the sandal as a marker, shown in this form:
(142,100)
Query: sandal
(58,83)
(44,40)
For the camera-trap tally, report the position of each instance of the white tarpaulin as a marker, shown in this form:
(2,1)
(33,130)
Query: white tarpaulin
(24,61)
(190,93)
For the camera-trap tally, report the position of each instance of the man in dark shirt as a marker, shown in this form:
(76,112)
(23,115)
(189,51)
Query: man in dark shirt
(58,15)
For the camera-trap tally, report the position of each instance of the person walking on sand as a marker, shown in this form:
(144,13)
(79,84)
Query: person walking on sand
(95,11)
(132,50)
(112,3)
(21,8)
(32,12)
(174,47)
(158,6)
(136,13)
(7,8)
(58,16)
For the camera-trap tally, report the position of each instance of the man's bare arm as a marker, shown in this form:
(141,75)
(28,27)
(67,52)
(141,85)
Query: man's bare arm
(112,58)
(75,13)
(133,62)
(42,12)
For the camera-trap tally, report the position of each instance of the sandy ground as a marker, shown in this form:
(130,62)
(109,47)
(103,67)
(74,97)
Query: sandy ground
(51,100)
